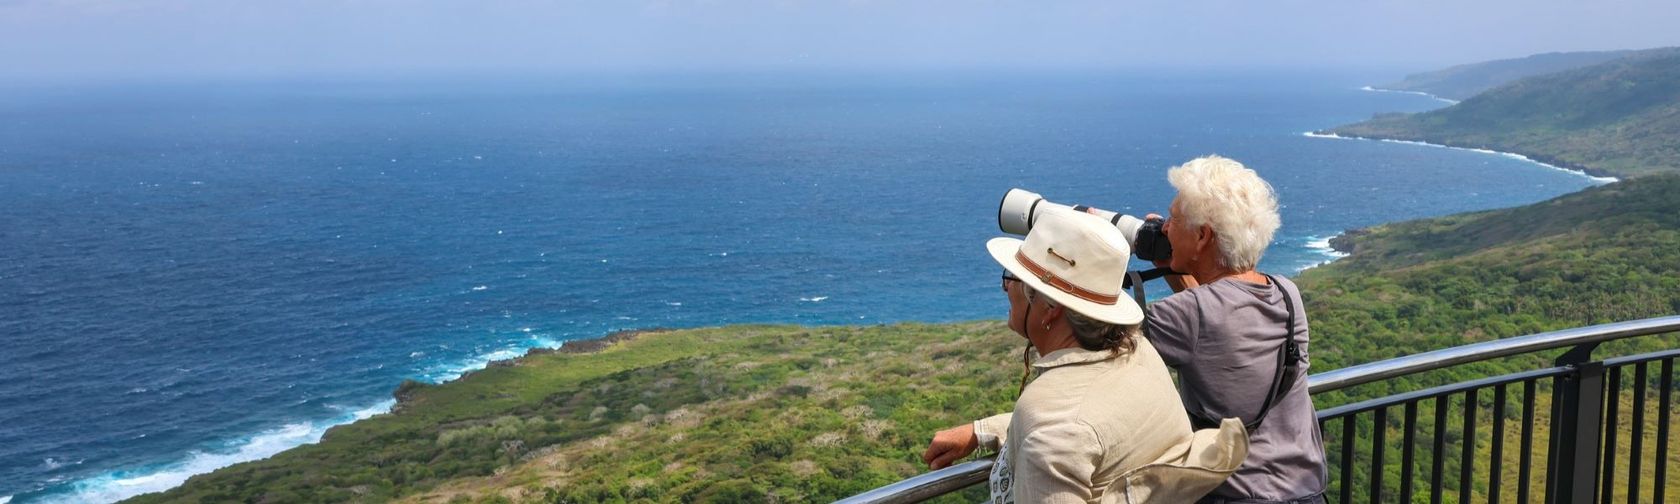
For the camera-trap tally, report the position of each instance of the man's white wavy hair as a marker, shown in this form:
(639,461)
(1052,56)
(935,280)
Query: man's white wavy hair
(1234,201)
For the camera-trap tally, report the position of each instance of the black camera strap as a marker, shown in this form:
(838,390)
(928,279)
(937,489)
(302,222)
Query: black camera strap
(1288,365)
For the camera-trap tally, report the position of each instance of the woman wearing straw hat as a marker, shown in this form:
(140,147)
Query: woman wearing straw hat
(1102,421)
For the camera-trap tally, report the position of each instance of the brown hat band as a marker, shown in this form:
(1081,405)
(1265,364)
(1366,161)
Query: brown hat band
(1052,280)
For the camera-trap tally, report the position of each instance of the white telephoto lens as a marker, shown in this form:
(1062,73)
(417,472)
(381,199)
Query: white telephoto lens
(1020,208)
(1015,212)
(1128,227)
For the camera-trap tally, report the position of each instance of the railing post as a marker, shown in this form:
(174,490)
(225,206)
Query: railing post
(1578,425)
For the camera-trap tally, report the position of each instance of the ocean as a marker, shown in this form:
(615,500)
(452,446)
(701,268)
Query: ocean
(194,275)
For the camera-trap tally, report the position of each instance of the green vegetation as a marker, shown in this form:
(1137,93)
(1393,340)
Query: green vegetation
(1605,254)
(735,414)
(1618,118)
(794,414)
(1463,81)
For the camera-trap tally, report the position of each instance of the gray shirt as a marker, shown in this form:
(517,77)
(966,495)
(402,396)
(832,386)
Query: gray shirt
(1223,339)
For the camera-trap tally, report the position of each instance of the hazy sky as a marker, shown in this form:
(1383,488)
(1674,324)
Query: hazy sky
(171,39)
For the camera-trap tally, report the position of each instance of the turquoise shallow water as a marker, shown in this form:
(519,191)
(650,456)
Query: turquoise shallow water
(191,276)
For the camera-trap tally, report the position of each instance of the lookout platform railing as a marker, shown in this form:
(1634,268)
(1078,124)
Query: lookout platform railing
(1582,457)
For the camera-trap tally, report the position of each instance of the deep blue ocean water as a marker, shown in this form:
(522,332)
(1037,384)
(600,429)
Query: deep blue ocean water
(196,275)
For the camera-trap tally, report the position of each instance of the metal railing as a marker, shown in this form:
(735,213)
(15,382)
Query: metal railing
(1581,454)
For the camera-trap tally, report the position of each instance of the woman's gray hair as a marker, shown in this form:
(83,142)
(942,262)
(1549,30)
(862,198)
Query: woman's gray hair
(1095,335)
(1234,201)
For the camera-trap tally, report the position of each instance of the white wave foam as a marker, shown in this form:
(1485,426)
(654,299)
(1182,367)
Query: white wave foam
(817,299)
(451,372)
(1419,93)
(447,372)
(480,287)
(122,484)
(5,499)
(1321,245)
(1593,178)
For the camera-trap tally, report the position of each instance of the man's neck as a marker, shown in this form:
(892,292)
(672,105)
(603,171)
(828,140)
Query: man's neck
(1250,276)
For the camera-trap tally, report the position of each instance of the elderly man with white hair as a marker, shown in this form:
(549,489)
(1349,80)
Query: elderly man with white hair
(1237,337)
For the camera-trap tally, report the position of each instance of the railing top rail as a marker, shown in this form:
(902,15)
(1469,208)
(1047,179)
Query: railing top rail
(1448,389)
(926,485)
(1475,352)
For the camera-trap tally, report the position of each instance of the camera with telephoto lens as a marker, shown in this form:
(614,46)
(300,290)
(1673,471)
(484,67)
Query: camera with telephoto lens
(1020,209)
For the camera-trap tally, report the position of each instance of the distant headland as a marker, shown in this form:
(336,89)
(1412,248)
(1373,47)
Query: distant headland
(1606,114)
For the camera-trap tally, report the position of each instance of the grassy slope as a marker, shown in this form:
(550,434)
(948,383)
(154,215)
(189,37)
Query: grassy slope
(721,415)
(1463,81)
(1604,254)
(1620,118)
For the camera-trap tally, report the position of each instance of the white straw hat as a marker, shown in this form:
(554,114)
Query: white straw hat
(1077,259)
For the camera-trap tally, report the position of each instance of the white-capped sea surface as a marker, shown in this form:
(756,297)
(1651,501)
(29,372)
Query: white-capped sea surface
(192,276)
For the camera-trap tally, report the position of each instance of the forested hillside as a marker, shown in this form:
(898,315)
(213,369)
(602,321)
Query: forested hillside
(1620,118)
(1463,81)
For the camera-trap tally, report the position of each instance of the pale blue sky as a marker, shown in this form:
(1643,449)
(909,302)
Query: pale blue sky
(53,40)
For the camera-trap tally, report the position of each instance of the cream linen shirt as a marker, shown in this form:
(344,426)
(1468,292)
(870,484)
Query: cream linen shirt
(1099,430)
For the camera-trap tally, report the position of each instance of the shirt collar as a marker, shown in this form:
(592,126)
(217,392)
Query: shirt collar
(1069,356)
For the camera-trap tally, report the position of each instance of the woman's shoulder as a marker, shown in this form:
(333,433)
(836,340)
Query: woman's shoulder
(1138,377)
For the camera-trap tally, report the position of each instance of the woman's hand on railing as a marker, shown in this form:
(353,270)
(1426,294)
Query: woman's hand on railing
(950,445)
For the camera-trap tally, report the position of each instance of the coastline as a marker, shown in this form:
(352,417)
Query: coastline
(1343,243)
(117,485)
(1449,101)
(404,391)
(1326,246)
(1340,245)
(122,484)
(1596,179)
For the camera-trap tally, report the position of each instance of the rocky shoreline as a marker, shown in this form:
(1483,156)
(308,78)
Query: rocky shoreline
(405,391)
(1346,241)
(1435,142)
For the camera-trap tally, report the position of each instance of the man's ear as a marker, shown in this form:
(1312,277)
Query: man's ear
(1204,237)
